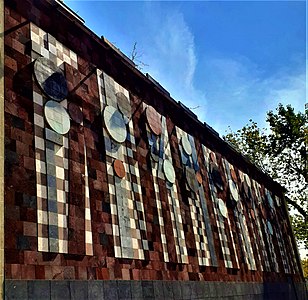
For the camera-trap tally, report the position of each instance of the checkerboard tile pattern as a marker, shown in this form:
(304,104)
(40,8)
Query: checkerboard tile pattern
(47,46)
(52,167)
(258,217)
(172,194)
(127,210)
(221,224)
(256,236)
(199,216)
(269,239)
(88,219)
(277,232)
(241,224)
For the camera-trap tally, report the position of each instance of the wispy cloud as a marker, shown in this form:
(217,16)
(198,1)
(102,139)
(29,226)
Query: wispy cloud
(172,58)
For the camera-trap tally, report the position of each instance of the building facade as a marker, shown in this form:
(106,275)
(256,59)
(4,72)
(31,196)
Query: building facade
(114,190)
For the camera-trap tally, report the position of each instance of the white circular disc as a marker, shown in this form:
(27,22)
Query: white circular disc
(115,124)
(57,117)
(233,190)
(270,228)
(186,145)
(169,171)
(222,208)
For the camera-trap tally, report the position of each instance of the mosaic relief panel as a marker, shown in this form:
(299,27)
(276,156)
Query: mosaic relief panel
(248,204)
(164,183)
(276,230)
(267,228)
(127,209)
(52,126)
(220,210)
(235,203)
(196,198)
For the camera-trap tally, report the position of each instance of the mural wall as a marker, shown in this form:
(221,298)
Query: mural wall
(103,183)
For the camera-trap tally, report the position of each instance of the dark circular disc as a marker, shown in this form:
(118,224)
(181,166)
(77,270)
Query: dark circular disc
(75,112)
(216,176)
(246,191)
(50,79)
(154,120)
(124,105)
(191,179)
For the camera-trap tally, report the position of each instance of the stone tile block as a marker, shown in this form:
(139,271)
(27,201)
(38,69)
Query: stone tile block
(95,290)
(38,289)
(16,290)
(177,290)
(186,289)
(148,289)
(158,287)
(124,289)
(60,289)
(79,289)
(136,289)
(110,290)
(168,290)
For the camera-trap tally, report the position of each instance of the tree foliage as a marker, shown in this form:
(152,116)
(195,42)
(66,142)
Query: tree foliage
(281,151)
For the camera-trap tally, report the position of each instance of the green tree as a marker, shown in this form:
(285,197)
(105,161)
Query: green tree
(281,151)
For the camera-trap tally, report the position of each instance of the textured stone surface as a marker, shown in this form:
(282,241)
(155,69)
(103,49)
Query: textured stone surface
(158,290)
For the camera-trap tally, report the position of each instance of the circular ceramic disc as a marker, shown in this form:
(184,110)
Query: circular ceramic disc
(233,175)
(115,124)
(186,145)
(270,199)
(247,180)
(119,168)
(154,120)
(50,78)
(57,117)
(233,190)
(270,228)
(246,190)
(216,177)
(263,212)
(75,112)
(124,105)
(191,179)
(169,171)
(199,177)
(252,213)
(222,208)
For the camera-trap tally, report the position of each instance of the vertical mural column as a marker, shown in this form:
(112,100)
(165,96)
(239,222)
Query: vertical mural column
(164,183)
(1,148)
(197,204)
(248,202)
(220,211)
(51,127)
(267,227)
(128,217)
(276,231)
(235,203)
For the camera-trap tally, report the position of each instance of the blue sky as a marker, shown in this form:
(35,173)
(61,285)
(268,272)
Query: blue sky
(234,60)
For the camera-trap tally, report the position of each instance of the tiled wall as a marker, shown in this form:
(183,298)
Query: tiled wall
(128,192)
